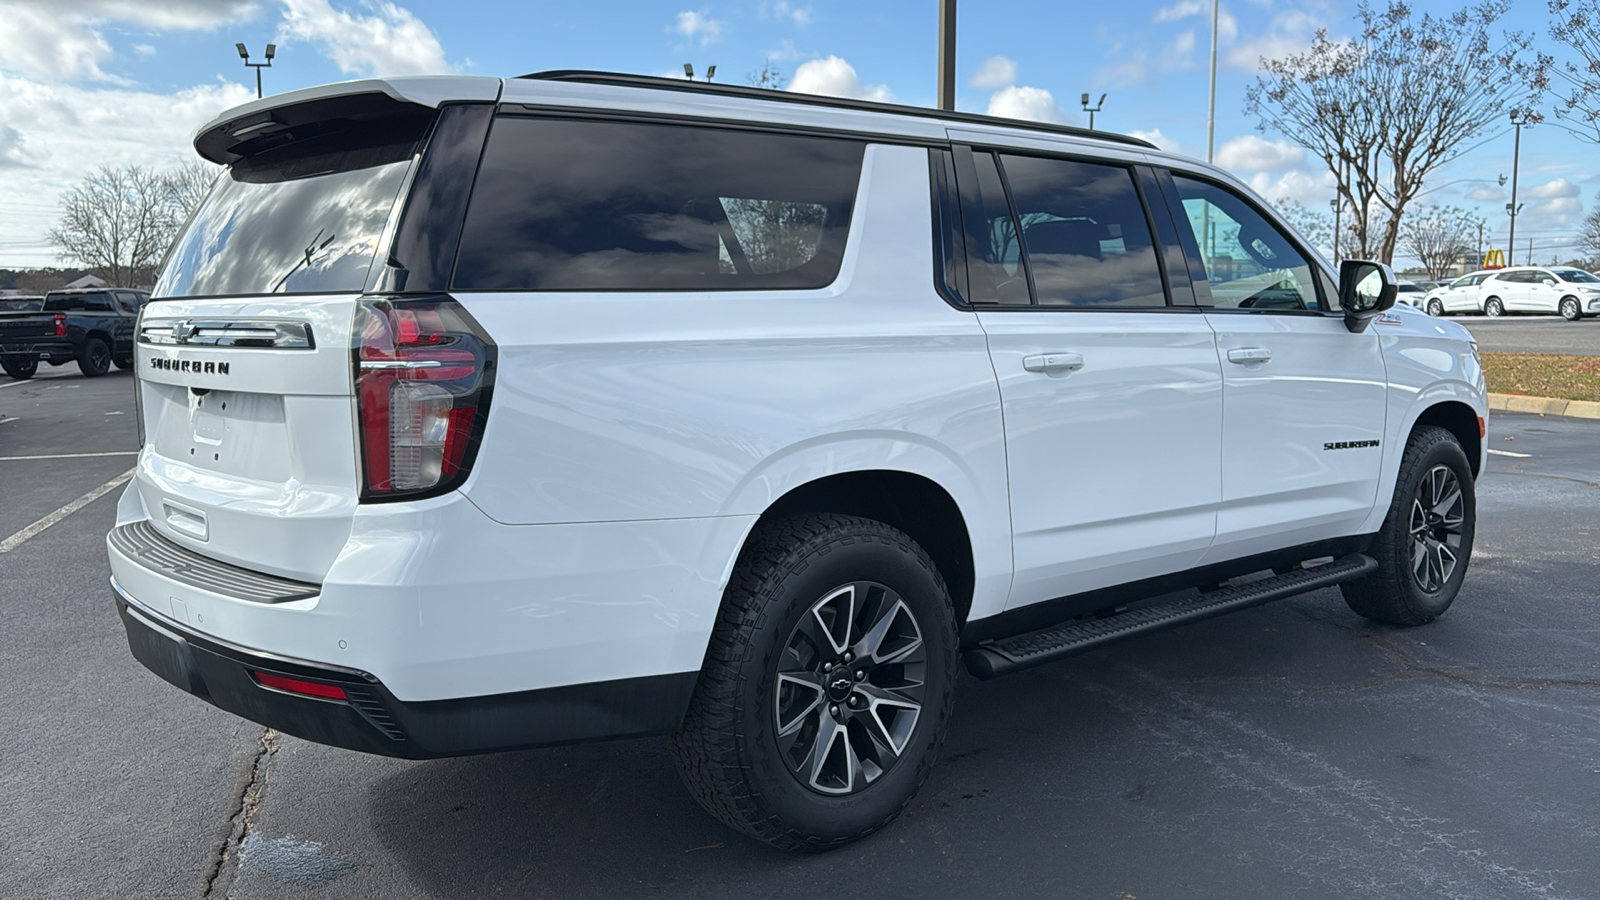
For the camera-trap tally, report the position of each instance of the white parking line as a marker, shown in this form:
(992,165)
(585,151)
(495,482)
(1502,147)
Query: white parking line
(16,540)
(1509,453)
(78,455)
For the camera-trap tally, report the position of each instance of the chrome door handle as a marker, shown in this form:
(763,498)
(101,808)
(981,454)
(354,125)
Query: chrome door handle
(1249,355)
(1053,362)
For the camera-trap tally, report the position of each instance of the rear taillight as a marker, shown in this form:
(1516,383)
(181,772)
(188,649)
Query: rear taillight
(424,370)
(61,325)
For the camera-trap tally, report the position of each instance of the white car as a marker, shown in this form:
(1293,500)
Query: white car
(482,414)
(1465,294)
(1569,293)
(1410,293)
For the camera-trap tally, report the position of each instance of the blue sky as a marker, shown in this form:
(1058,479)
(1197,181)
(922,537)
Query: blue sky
(126,81)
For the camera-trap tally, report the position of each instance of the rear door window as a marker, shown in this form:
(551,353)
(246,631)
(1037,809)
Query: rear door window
(566,205)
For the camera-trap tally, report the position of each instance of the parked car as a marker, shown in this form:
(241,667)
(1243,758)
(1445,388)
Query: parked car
(1462,295)
(1410,293)
(92,326)
(19,303)
(483,414)
(1569,293)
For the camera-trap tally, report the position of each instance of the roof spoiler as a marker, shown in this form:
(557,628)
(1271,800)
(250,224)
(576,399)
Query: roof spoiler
(269,122)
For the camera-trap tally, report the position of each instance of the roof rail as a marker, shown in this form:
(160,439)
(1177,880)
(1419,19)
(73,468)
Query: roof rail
(622,79)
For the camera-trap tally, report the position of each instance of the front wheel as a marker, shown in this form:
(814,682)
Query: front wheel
(95,359)
(1493,308)
(1435,308)
(828,684)
(1570,310)
(20,369)
(1426,540)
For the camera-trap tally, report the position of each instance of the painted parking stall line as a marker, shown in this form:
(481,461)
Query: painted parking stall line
(16,540)
(1509,453)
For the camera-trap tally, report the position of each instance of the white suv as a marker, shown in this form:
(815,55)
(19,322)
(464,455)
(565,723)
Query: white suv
(484,414)
(1570,293)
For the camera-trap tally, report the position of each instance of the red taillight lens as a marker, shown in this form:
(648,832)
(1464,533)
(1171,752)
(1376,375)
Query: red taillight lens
(424,370)
(61,325)
(296,686)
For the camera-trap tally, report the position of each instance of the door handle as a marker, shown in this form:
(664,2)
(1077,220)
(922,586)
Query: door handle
(1053,362)
(1244,355)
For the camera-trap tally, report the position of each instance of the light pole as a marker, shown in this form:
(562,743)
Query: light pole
(245,55)
(688,72)
(947,54)
(1096,108)
(1519,118)
(1337,208)
(1211,107)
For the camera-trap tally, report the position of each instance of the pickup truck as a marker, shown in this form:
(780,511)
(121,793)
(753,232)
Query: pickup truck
(92,326)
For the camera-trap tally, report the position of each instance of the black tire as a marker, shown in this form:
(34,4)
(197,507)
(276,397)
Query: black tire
(728,751)
(1404,591)
(21,369)
(1570,310)
(1493,308)
(95,360)
(123,362)
(1435,308)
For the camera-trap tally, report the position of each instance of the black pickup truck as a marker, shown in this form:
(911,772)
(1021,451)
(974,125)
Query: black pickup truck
(92,326)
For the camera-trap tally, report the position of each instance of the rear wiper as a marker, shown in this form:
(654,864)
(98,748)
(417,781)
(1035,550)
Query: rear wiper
(310,253)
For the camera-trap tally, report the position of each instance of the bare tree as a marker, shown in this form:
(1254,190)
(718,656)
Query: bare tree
(767,76)
(1440,237)
(186,185)
(1575,83)
(1386,110)
(1589,230)
(117,223)
(1313,225)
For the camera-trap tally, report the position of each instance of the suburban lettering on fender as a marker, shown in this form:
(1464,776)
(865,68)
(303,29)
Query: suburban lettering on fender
(1348,445)
(198,367)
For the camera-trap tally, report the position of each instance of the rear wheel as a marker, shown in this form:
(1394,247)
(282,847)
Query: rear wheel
(1426,540)
(123,362)
(1493,308)
(21,369)
(827,687)
(1570,310)
(1435,308)
(95,360)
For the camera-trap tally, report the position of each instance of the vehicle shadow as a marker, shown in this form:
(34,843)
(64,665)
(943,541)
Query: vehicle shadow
(1045,777)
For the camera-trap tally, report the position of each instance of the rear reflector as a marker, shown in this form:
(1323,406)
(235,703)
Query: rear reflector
(296,686)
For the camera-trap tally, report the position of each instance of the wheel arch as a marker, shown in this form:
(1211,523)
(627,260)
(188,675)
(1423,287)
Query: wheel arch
(1460,420)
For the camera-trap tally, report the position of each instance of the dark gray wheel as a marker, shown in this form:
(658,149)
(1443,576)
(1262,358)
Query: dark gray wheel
(95,360)
(1570,310)
(123,362)
(1435,308)
(1426,540)
(1493,308)
(21,369)
(828,684)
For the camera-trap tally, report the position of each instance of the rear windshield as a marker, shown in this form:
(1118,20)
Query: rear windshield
(306,221)
(86,302)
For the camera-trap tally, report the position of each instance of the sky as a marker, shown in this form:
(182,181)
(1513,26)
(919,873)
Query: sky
(126,82)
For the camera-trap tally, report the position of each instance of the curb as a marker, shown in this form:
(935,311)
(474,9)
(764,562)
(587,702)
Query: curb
(1545,406)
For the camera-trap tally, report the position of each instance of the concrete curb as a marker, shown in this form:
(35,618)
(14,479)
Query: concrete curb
(1545,406)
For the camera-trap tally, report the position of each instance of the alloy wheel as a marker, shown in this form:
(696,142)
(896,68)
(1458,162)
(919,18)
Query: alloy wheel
(1569,309)
(1438,519)
(849,689)
(1493,307)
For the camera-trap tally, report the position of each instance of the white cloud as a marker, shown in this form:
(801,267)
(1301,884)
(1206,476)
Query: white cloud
(60,40)
(1289,32)
(1031,103)
(144,50)
(786,52)
(1298,185)
(1180,10)
(1249,153)
(1560,188)
(1155,136)
(801,15)
(995,72)
(1127,68)
(698,26)
(833,77)
(1488,195)
(390,41)
(1180,52)
(67,130)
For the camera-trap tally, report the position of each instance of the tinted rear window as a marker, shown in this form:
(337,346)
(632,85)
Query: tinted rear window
(563,205)
(307,220)
(86,302)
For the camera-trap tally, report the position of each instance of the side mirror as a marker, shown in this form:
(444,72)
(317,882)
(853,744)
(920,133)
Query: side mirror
(1366,288)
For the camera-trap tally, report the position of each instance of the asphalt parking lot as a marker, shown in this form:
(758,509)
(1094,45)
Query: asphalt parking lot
(1293,750)
(1534,334)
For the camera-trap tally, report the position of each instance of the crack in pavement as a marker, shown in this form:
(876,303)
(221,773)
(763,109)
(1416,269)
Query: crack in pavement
(241,817)
(1466,677)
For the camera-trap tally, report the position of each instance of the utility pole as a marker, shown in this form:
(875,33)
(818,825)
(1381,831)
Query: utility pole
(1337,208)
(1211,107)
(245,55)
(1530,253)
(1096,108)
(947,54)
(1480,245)
(1518,119)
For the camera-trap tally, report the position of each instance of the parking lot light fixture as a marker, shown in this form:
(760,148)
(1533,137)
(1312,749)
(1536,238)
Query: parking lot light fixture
(1092,110)
(244,54)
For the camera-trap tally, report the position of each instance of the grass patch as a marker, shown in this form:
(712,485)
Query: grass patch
(1543,375)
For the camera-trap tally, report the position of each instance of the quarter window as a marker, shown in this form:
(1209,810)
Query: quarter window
(1085,233)
(1250,264)
(564,205)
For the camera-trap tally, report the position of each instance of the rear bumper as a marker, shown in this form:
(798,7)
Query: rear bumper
(373,720)
(57,350)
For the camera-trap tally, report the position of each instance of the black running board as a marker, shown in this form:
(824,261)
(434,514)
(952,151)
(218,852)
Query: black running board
(1004,656)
